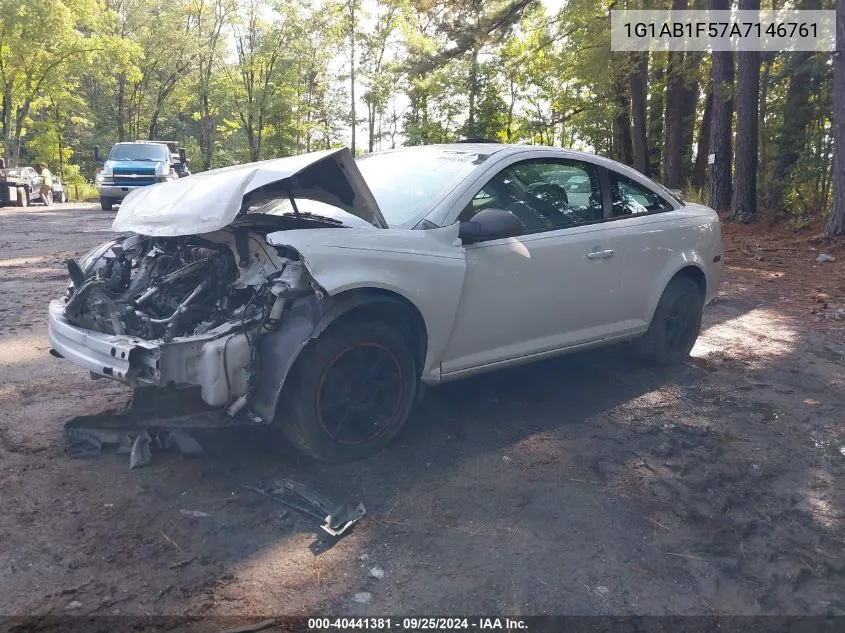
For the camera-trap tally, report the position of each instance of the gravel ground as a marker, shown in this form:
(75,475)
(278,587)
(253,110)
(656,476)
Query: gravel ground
(584,485)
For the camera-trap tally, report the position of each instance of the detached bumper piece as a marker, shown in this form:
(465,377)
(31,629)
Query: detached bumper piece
(162,422)
(336,519)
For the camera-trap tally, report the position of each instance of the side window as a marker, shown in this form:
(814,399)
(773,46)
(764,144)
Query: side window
(631,198)
(544,194)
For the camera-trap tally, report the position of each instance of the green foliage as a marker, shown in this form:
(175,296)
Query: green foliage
(72,175)
(239,80)
(695,194)
(82,192)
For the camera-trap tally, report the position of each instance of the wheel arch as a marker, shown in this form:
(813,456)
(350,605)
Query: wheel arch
(381,304)
(695,274)
(691,270)
(280,351)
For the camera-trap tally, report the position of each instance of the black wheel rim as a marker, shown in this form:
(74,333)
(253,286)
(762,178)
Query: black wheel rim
(360,393)
(680,324)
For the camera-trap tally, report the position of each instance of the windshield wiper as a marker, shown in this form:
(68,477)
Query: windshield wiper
(322,218)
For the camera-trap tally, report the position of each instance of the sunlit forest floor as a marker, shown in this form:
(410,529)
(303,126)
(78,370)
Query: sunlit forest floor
(587,484)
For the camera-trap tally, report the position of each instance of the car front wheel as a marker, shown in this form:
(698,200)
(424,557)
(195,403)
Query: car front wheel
(23,197)
(350,393)
(106,204)
(675,325)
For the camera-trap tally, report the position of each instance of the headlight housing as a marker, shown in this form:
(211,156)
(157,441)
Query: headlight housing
(104,178)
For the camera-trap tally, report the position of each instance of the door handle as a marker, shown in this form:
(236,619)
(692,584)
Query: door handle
(600,254)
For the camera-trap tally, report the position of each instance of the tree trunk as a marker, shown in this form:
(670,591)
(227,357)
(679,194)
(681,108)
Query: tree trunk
(744,201)
(153,128)
(511,105)
(797,114)
(689,105)
(353,114)
(675,113)
(7,122)
(836,223)
(121,113)
(656,112)
(639,83)
(622,143)
(721,186)
(208,125)
(473,93)
(767,81)
(674,122)
(699,172)
(371,125)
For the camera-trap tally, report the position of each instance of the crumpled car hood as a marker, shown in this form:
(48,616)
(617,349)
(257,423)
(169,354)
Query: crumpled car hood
(211,200)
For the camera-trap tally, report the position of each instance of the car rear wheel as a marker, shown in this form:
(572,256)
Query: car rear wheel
(106,204)
(675,325)
(350,393)
(23,197)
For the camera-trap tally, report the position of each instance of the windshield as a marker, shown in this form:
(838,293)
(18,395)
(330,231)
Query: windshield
(407,182)
(139,151)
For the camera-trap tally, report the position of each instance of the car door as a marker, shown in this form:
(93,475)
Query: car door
(555,285)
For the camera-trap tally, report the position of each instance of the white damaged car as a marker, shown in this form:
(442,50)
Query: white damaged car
(316,292)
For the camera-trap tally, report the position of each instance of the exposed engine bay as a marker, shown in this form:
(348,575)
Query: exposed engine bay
(185,311)
(162,288)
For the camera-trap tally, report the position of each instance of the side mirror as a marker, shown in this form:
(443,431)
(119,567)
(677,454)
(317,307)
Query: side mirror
(490,224)
(97,154)
(182,157)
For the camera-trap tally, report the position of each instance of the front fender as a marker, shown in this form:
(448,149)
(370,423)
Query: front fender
(426,268)
(279,350)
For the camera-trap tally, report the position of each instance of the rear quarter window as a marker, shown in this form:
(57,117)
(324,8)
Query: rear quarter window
(632,198)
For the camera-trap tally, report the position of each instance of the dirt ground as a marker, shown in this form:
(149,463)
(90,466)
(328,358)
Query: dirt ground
(585,485)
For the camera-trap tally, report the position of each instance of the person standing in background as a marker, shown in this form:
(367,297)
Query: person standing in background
(46,184)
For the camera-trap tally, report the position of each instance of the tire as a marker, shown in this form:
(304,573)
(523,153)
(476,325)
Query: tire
(106,204)
(23,197)
(675,325)
(333,408)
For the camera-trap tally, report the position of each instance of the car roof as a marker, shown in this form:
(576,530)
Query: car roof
(513,148)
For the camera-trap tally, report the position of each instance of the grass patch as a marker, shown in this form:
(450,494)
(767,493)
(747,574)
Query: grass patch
(82,192)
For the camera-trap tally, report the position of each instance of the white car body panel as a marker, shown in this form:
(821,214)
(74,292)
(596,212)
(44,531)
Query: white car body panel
(524,295)
(655,248)
(211,200)
(425,267)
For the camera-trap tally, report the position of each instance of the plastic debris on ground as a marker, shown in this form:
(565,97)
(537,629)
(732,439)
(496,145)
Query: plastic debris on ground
(336,519)
(85,442)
